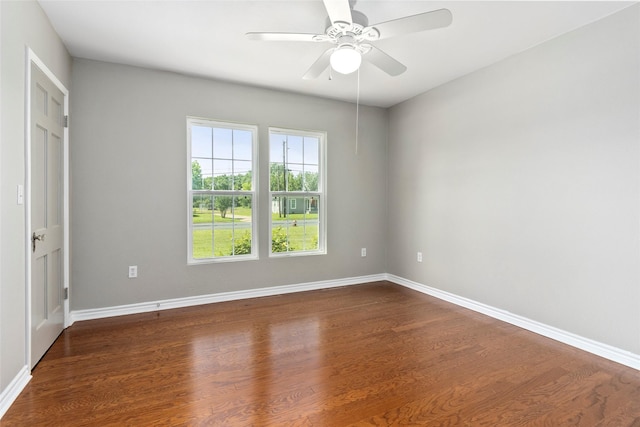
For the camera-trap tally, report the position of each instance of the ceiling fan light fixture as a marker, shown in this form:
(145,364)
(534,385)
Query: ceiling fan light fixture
(345,59)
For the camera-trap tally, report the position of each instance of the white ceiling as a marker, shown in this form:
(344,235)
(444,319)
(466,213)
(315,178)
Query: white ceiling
(206,38)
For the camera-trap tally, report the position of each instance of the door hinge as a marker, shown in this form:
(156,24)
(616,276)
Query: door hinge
(66,293)
(66,121)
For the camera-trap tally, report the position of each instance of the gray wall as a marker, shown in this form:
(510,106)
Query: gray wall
(520,184)
(23,24)
(128,165)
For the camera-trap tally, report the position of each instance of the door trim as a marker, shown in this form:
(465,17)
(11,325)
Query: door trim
(32,58)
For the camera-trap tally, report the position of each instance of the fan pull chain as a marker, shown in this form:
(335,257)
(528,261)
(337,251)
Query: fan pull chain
(357,109)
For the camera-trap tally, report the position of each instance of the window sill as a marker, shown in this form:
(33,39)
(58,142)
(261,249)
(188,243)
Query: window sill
(296,254)
(220,260)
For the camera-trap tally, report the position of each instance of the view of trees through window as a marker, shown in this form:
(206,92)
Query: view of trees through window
(222,189)
(223,182)
(296,190)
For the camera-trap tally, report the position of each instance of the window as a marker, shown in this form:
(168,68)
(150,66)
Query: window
(221,190)
(297,192)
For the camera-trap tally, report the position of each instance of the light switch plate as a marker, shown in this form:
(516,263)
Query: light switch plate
(20,194)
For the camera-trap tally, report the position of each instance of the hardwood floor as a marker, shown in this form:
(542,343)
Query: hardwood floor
(374,354)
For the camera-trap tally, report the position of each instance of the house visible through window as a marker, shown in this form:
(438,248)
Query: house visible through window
(296,181)
(221,189)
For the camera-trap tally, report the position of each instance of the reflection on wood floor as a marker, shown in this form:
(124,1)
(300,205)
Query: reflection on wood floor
(373,354)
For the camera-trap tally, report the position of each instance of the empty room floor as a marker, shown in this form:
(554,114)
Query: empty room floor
(372,354)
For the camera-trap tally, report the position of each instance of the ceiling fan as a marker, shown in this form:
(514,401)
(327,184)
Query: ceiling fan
(350,33)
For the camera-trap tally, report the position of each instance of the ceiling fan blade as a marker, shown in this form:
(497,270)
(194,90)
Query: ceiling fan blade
(319,66)
(414,23)
(286,37)
(384,62)
(339,11)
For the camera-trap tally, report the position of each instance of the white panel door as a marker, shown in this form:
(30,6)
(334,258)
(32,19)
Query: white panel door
(47,221)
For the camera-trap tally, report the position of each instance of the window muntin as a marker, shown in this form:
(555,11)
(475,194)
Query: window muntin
(222,162)
(296,183)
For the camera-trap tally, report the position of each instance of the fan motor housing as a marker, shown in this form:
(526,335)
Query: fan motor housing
(343,32)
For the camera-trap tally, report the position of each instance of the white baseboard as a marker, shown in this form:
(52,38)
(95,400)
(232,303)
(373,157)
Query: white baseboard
(603,350)
(11,392)
(98,313)
(15,387)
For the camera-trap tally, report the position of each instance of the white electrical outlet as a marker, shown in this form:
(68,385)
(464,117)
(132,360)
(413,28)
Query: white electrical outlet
(133,271)
(363,252)
(419,256)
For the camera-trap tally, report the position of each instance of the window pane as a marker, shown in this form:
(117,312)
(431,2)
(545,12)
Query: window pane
(232,225)
(242,144)
(241,167)
(310,178)
(223,225)
(279,225)
(222,143)
(201,141)
(276,177)
(294,163)
(243,218)
(278,209)
(222,179)
(294,178)
(294,224)
(310,224)
(277,144)
(201,174)
(202,222)
(294,149)
(311,146)
(242,175)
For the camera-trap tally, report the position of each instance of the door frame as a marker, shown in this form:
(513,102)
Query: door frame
(32,58)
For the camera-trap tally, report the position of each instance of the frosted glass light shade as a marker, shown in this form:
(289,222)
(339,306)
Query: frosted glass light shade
(345,60)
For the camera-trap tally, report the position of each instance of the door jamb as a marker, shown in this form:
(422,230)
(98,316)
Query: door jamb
(31,57)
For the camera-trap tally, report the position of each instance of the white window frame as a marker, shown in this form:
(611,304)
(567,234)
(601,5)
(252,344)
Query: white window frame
(321,194)
(197,121)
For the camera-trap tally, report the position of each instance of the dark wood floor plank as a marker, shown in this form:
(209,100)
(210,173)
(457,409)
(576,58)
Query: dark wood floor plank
(375,354)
